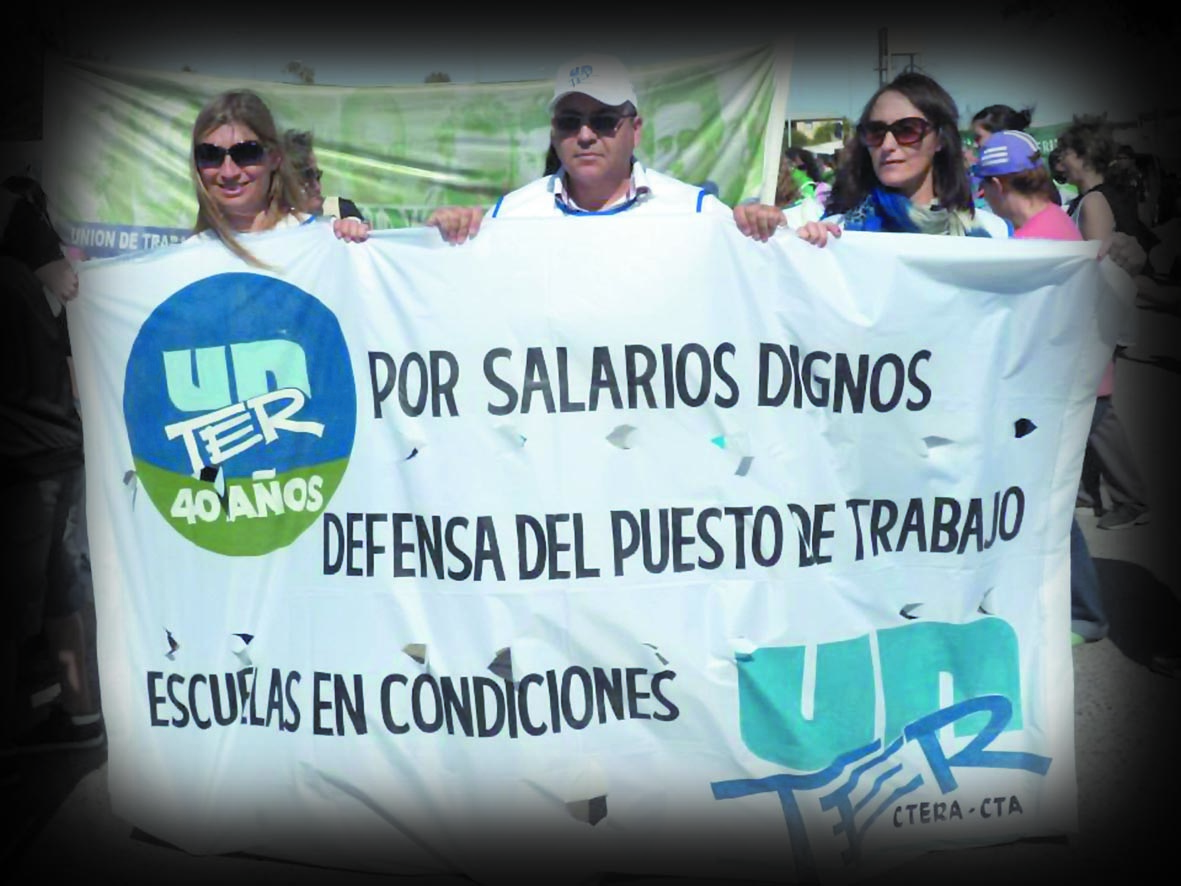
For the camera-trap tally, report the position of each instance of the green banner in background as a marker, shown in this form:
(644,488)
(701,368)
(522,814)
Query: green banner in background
(117,140)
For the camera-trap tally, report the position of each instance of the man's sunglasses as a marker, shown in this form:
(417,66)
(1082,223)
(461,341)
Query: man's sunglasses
(602,123)
(209,156)
(907,131)
(311,174)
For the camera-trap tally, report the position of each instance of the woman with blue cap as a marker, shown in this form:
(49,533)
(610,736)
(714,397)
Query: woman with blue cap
(1019,188)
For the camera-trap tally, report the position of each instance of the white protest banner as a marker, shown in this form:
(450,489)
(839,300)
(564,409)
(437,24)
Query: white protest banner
(636,546)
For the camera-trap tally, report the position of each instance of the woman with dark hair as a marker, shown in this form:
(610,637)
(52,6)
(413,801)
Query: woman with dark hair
(905,171)
(986,121)
(244,180)
(788,187)
(1100,213)
(805,169)
(997,118)
(796,195)
(805,160)
(1106,202)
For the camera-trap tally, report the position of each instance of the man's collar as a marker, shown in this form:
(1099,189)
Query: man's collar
(637,189)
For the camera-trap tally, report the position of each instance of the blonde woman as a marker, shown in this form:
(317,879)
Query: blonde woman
(244,181)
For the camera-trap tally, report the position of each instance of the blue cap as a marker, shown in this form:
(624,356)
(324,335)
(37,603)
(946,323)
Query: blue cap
(1006,152)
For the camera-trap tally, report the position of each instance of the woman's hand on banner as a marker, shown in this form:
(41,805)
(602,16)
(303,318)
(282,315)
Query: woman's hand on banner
(817,233)
(1126,251)
(353,230)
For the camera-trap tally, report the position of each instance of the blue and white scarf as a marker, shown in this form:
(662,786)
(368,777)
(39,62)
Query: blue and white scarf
(889,211)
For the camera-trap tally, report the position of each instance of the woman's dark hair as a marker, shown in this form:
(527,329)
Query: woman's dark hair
(804,159)
(1054,162)
(855,176)
(787,189)
(995,118)
(29,188)
(299,145)
(1090,137)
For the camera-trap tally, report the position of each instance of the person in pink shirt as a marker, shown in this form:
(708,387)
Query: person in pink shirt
(1028,202)
(1019,188)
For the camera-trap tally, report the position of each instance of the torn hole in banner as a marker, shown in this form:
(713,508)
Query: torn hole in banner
(591,811)
(586,794)
(213,475)
(502,664)
(805,540)
(511,436)
(736,444)
(409,441)
(240,649)
(416,651)
(933,441)
(909,611)
(173,645)
(985,607)
(1023,427)
(742,648)
(131,485)
(622,437)
(656,652)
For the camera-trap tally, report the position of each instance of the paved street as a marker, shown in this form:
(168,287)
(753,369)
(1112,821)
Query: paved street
(58,822)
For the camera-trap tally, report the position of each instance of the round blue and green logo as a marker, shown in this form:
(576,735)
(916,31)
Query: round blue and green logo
(241,408)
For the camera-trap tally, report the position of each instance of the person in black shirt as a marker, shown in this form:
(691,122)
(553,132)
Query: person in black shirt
(41,479)
(301,150)
(1101,212)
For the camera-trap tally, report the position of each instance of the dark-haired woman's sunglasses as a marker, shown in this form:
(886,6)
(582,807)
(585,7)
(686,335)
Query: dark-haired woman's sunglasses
(907,131)
(209,156)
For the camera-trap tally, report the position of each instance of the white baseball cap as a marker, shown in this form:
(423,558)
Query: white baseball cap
(602,77)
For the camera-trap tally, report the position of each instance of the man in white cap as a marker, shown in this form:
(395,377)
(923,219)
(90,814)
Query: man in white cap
(594,129)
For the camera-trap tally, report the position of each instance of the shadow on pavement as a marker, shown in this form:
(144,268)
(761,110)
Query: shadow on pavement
(35,787)
(1144,614)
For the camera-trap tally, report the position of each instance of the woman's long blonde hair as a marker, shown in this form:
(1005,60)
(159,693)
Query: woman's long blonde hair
(285,193)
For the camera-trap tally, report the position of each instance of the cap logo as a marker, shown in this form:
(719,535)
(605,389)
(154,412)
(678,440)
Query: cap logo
(601,78)
(580,74)
(994,156)
(1006,152)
